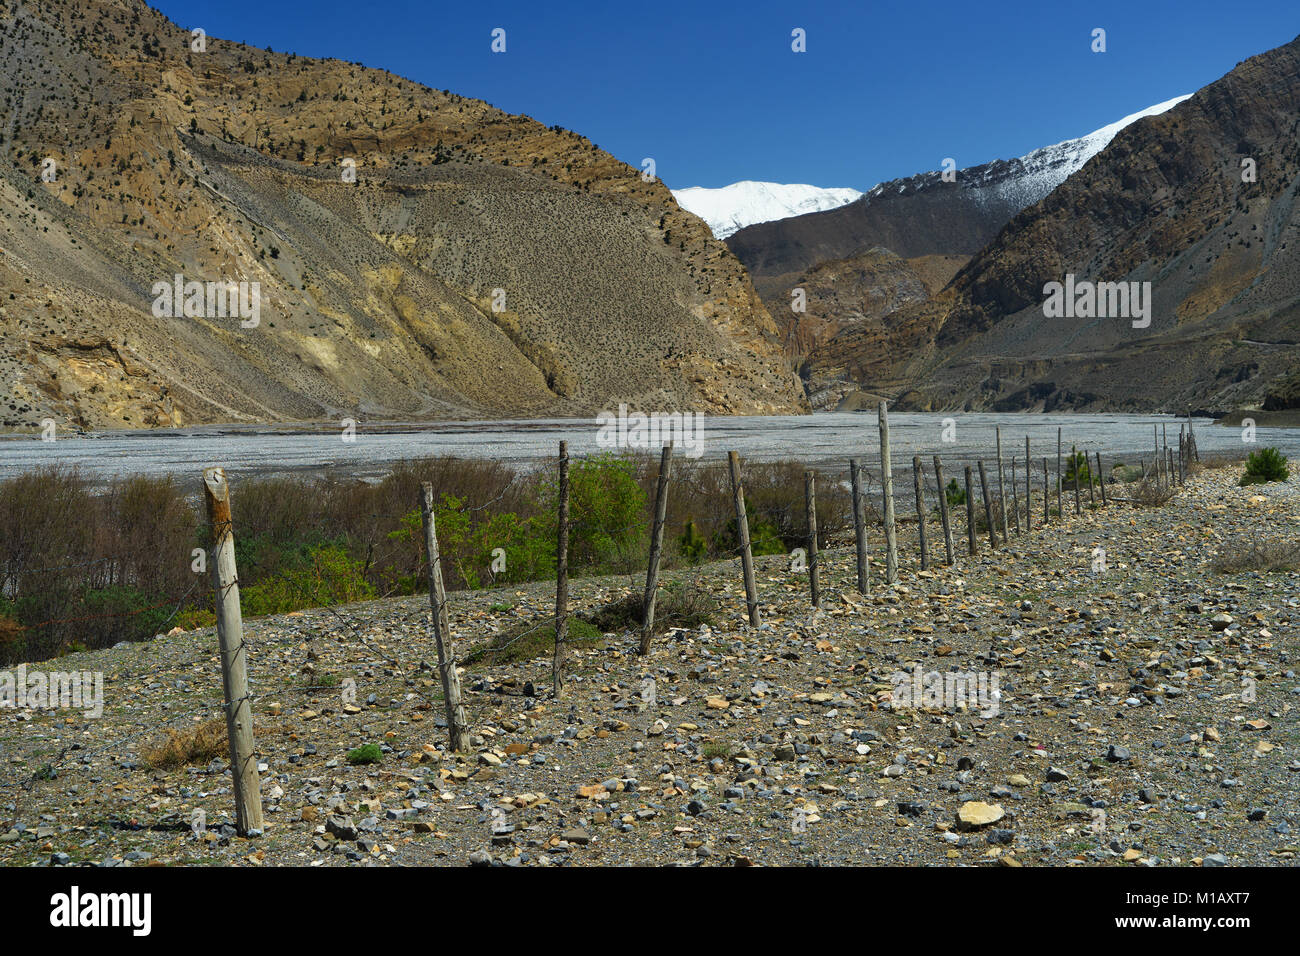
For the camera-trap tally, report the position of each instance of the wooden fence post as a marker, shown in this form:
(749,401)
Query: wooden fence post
(943,512)
(1060,478)
(1074,464)
(920,512)
(656,549)
(1155,441)
(1047,491)
(742,530)
(972,546)
(887,479)
(859,525)
(1092,491)
(1101,479)
(1029,489)
(810,502)
(1015,495)
(457,723)
(561,577)
(1002,492)
(234,656)
(988,506)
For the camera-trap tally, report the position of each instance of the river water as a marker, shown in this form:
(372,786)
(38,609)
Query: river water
(824,440)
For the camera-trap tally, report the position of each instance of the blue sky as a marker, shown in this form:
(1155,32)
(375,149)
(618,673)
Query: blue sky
(714,93)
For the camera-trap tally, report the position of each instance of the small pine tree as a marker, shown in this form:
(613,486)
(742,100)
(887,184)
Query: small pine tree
(1267,464)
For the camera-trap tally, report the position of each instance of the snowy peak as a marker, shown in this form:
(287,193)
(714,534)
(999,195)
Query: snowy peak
(733,207)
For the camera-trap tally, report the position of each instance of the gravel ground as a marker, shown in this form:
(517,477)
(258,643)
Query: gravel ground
(1146,717)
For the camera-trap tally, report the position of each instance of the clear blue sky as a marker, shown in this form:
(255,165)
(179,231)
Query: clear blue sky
(713,92)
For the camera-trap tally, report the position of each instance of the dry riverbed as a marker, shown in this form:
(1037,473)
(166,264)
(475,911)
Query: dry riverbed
(1146,717)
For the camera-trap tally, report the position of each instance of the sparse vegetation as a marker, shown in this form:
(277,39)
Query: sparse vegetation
(365,754)
(1264,465)
(199,744)
(1253,554)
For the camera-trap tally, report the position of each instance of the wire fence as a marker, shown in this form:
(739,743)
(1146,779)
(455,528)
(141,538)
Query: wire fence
(783,519)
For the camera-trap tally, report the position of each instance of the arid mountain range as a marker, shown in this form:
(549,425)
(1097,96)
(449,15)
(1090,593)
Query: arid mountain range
(1199,201)
(416,254)
(412,253)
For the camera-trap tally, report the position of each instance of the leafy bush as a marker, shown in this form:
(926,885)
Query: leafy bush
(366,753)
(1267,464)
(607,514)
(328,577)
(124,612)
(691,544)
(1076,469)
(955,493)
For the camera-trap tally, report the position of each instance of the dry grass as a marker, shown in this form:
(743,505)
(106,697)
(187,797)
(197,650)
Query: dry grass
(198,744)
(1151,494)
(1252,554)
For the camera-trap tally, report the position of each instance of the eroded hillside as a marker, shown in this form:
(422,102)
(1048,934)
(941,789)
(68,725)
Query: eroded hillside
(478,263)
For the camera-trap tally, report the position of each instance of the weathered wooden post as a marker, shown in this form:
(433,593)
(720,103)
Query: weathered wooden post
(561,577)
(457,723)
(656,549)
(988,506)
(1101,479)
(943,512)
(972,546)
(1047,492)
(1074,466)
(1155,441)
(1002,491)
(1092,492)
(1029,489)
(859,525)
(810,503)
(887,478)
(1015,495)
(1060,478)
(920,512)
(234,656)
(742,531)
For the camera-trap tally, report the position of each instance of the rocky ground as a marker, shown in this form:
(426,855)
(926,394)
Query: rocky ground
(1146,718)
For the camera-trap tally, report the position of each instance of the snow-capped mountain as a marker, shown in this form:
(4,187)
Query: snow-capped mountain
(1030,178)
(733,207)
(1019,182)
(924,214)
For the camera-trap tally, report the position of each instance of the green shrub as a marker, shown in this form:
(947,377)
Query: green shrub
(691,544)
(527,640)
(1267,464)
(1076,468)
(328,577)
(124,613)
(678,604)
(607,514)
(366,753)
(956,494)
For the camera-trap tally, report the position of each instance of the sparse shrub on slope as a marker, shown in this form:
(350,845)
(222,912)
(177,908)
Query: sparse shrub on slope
(1267,464)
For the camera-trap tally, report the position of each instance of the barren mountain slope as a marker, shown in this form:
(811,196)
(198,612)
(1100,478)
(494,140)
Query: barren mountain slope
(378,297)
(1165,202)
